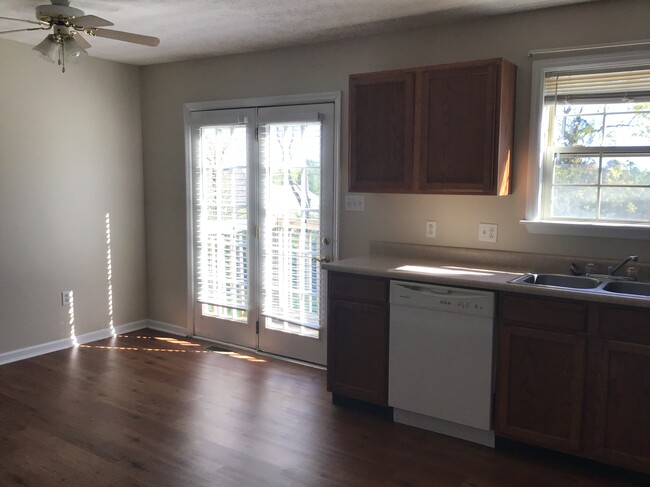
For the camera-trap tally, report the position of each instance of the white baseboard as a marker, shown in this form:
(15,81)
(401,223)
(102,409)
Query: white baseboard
(28,352)
(129,327)
(167,328)
(106,333)
(57,345)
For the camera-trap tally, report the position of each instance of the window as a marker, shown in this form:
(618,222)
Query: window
(590,144)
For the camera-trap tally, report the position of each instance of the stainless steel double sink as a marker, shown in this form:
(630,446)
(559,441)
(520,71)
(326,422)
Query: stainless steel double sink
(594,283)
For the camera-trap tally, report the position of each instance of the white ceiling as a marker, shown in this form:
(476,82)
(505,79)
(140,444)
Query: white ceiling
(190,29)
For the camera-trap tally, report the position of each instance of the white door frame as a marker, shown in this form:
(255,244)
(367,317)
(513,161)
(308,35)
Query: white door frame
(311,98)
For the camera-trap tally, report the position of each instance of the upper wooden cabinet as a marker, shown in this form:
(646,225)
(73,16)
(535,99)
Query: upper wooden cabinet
(467,128)
(382,132)
(436,129)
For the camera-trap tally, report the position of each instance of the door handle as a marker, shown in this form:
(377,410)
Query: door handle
(322,260)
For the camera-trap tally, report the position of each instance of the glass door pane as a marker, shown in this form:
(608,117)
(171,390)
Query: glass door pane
(290,226)
(223,222)
(295,159)
(222,253)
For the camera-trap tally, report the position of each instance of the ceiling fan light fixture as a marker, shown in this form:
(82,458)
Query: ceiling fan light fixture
(72,51)
(61,47)
(48,49)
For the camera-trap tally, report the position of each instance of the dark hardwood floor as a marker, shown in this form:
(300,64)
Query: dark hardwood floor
(140,410)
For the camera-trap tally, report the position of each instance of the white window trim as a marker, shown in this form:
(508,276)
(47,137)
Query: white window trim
(532,221)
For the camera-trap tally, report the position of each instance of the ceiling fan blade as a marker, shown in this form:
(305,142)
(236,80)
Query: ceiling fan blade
(90,21)
(81,40)
(22,20)
(126,36)
(23,30)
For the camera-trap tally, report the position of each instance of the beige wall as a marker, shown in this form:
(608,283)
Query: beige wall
(70,152)
(326,67)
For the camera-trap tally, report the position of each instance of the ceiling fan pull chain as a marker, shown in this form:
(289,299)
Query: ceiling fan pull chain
(62,57)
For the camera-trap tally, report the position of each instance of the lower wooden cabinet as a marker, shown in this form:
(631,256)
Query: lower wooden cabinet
(541,385)
(357,358)
(578,385)
(541,371)
(617,416)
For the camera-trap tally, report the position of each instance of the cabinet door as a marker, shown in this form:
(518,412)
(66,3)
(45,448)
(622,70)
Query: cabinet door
(617,423)
(540,387)
(357,359)
(466,133)
(381,132)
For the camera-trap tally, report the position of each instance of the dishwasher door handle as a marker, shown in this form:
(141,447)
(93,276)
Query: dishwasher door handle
(426,290)
(422,289)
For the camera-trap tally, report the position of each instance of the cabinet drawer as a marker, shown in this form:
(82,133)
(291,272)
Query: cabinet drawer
(357,288)
(545,313)
(624,324)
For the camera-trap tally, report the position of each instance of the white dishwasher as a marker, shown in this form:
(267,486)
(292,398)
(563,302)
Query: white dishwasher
(441,361)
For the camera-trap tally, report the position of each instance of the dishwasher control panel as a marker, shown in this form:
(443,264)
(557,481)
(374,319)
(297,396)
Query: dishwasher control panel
(442,298)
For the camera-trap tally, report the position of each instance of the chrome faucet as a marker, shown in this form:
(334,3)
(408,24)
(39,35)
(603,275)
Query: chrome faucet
(611,270)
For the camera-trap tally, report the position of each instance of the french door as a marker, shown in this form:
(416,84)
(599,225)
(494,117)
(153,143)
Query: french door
(263,216)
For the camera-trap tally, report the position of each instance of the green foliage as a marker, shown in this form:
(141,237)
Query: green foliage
(598,186)
(575,170)
(295,176)
(579,131)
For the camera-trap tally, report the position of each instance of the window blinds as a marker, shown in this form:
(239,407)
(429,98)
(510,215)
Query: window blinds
(221,215)
(627,85)
(290,158)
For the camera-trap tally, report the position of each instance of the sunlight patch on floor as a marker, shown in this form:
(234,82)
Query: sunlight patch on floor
(173,341)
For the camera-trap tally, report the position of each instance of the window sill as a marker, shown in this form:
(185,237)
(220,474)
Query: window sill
(582,229)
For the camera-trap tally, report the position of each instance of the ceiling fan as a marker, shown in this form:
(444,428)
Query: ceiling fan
(66,43)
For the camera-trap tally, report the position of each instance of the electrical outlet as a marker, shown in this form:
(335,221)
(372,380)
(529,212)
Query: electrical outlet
(66,298)
(430,231)
(487,232)
(355,202)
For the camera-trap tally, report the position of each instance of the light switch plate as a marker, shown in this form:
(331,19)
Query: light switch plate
(487,232)
(355,202)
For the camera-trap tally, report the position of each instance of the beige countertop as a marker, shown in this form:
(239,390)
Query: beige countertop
(437,271)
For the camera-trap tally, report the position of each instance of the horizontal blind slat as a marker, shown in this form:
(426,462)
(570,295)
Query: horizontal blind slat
(630,81)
